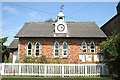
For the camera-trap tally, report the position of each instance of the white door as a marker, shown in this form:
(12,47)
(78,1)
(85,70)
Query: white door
(15,56)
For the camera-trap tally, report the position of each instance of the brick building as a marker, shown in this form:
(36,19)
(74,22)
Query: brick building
(70,42)
(113,24)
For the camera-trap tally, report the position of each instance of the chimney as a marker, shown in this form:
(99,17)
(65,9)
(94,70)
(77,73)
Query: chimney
(118,7)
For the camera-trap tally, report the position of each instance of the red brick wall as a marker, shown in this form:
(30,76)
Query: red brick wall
(47,48)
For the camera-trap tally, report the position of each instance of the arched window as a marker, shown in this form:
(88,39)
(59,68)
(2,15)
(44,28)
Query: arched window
(37,49)
(92,47)
(56,49)
(84,46)
(65,48)
(29,49)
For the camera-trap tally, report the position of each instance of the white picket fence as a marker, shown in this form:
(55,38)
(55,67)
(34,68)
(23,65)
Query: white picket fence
(33,69)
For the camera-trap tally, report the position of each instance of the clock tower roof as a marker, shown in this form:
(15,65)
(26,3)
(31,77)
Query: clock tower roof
(60,14)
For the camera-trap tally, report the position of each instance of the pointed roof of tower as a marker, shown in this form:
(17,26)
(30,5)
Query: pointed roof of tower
(61,14)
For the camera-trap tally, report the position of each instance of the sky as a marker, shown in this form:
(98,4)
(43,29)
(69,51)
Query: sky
(16,14)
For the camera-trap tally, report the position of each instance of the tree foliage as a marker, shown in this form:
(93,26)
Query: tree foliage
(51,20)
(4,49)
(111,50)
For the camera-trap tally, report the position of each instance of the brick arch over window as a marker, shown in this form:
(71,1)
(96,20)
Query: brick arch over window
(56,49)
(29,49)
(37,49)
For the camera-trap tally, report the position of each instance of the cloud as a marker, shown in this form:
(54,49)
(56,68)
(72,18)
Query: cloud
(10,9)
(33,15)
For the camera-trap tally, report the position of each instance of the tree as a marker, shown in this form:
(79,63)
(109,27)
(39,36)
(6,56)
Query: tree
(5,50)
(51,20)
(111,50)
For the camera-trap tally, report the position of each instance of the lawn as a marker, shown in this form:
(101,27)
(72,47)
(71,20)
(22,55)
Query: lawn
(52,78)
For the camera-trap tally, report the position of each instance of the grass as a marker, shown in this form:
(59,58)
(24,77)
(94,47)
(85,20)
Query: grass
(52,78)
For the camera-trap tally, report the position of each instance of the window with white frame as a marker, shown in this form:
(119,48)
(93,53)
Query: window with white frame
(82,57)
(84,46)
(65,48)
(96,58)
(37,49)
(56,49)
(29,49)
(88,58)
(92,47)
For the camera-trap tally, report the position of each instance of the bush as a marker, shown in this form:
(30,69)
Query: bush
(111,50)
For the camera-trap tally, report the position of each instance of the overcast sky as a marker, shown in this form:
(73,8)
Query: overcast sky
(15,14)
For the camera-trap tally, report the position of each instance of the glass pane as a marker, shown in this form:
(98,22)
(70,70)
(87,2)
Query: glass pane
(29,52)
(29,46)
(84,50)
(84,46)
(64,45)
(64,52)
(92,50)
(56,45)
(37,46)
(92,46)
(37,51)
(56,54)
(37,54)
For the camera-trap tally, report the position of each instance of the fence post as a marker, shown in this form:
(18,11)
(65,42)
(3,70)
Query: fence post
(85,70)
(62,70)
(102,69)
(45,70)
(3,64)
(19,69)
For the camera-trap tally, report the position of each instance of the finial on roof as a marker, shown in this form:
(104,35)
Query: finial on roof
(61,8)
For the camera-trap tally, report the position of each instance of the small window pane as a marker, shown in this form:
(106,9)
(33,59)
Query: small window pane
(29,45)
(29,52)
(37,54)
(56,53)
(37,51)
(65,52)
(92,50)
(92,46)
(84,50)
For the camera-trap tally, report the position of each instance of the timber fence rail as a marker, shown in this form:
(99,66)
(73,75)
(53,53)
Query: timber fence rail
(33,69)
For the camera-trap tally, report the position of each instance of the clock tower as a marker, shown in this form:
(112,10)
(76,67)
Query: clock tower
(60,25)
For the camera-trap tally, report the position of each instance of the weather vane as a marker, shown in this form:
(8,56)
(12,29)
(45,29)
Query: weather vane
(61,8)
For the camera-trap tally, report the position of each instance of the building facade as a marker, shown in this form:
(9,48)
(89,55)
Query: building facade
(113,25)
(63,42)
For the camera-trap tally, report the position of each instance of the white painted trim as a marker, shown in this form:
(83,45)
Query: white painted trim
(35,49)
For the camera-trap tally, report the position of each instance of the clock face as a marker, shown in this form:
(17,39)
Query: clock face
(60,27)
